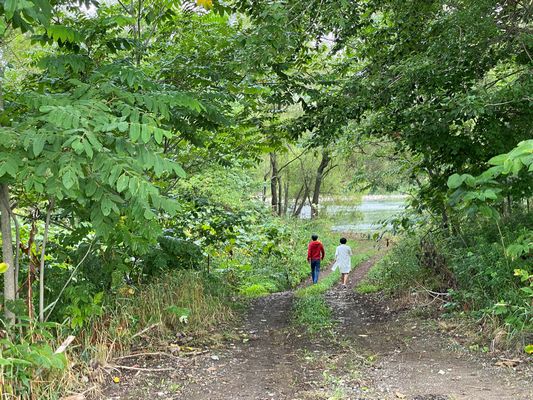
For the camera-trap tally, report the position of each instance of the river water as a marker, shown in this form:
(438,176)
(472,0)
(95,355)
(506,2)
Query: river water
(369,215)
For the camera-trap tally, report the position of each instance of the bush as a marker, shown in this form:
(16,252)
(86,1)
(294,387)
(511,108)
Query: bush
(27,356)
(473,266)
(172,253)
(487,281)
(205,301)
(400,270)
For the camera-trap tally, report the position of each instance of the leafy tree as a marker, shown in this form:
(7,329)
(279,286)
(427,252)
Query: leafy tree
(85,134)
(445,81)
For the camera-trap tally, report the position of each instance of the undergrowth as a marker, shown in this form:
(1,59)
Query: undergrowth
(473,272)
(180,304)
(283,267)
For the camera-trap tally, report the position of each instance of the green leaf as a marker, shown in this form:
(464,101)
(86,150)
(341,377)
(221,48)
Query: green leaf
(3,26)
(498,160)
(88,148)
(10,166)
(159,166)
(90,188)
(517,166)
(179,171)
(68,179)
(5,361)
(122,183)
(106,206)
(133,185)
(9,8)
(455,181)
(469,180)
(94,141)
(490,194)
(158,135)
(38,144)
(486,211)
(115,173)
(135,131)
(148,214)
(145,133)
(18,361)
(529,349)
(507,166)
(63,33)
(122,126)
(77,146)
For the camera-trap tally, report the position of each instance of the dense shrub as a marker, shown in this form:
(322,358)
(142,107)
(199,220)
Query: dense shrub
(172,253)
(473,265)
(400,270)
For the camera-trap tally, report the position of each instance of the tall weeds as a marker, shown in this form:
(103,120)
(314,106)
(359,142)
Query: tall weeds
(179,304)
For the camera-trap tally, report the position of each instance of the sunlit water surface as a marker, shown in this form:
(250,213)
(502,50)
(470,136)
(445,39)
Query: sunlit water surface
(371,214)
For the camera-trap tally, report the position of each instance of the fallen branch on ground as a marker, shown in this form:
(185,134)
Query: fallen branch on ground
(145,330)
(157,353)
(139,368)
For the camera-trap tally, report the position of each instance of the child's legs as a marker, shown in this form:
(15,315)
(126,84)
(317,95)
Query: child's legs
(344,278)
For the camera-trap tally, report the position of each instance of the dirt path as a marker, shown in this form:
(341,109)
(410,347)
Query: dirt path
(409,358)
(375,353)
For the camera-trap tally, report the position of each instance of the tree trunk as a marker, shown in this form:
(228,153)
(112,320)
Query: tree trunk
(7,250)
(286,202)
(263,195)
(5,220)
(17,253)
(41,266)
(274,182)
(318,182)
(296,200)
(298,211)
(280,195)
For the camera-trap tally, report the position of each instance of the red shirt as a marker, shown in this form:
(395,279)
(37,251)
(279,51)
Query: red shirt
(315,251)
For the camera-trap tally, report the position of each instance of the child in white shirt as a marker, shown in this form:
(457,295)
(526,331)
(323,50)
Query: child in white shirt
(343,260)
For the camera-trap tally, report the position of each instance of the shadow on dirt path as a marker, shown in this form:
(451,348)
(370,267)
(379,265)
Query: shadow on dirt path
(375,352)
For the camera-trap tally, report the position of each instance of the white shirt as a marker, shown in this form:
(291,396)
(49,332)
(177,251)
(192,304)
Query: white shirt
(343,259)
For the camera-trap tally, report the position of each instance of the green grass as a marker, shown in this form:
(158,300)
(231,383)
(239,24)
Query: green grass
(313,313)
(366,288)
(321,287)
(311,310)
(258,289)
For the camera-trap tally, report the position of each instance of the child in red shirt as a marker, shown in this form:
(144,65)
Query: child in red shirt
(315,253)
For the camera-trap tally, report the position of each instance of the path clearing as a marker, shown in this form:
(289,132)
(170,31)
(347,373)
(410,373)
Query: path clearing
(375,353)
